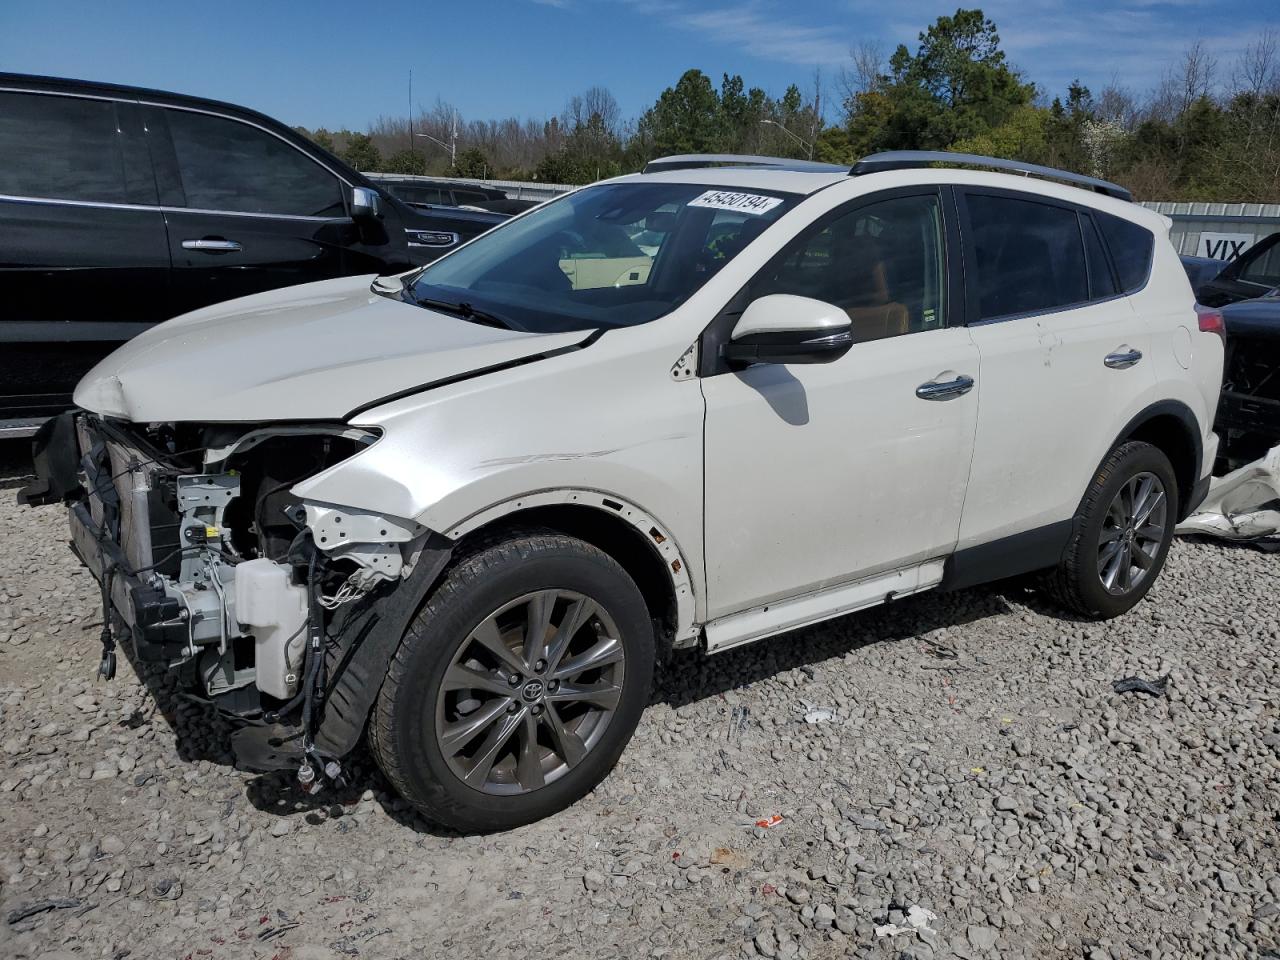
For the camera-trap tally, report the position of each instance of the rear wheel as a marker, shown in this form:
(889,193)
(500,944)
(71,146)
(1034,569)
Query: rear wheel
(517,685)
(1122,533)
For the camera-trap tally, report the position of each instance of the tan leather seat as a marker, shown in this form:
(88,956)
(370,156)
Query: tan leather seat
(876,323)
(860,273)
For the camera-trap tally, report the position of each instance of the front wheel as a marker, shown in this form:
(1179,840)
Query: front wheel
(517,685)
(1122,533)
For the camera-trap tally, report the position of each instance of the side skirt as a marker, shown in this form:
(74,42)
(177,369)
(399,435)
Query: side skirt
(765,621)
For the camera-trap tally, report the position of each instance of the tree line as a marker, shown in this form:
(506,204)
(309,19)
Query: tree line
(1208,131)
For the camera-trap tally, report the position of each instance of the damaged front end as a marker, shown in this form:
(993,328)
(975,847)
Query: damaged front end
(1248,417)
(270,606)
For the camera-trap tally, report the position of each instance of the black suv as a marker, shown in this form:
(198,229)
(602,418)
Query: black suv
(121,207)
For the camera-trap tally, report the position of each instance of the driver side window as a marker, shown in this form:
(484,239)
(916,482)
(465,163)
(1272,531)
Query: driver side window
(882,263)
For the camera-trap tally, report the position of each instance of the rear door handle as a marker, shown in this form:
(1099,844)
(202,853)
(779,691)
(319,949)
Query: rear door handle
(212,245)
(946,389)
(1122,359)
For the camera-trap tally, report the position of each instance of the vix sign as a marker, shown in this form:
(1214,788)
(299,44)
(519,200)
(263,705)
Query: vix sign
(1223,246)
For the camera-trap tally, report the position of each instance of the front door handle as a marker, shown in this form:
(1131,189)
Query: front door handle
(1122,359)
(946,389)
(212,245)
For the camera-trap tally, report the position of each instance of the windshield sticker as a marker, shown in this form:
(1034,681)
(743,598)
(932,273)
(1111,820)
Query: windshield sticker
(731,200)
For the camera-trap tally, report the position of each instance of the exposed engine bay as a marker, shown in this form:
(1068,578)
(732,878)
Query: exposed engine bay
(1249,411)
(209,564)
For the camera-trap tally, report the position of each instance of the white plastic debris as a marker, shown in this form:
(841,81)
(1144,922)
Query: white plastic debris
(1243,505)
(821,715)
(918,918)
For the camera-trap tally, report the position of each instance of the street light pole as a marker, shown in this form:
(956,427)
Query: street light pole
(452,146)
(798,139)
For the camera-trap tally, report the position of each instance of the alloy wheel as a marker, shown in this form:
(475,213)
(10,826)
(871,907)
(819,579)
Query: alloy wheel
(530,692)
(1132,532)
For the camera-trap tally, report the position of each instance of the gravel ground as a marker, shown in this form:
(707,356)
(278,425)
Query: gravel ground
(955,777)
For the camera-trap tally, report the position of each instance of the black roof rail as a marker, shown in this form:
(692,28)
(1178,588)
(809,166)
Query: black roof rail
(909,159)
(692,161)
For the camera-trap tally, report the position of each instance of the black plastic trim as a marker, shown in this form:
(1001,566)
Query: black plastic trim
(1026,552)
(56,457)
(367,639)
(1182,412)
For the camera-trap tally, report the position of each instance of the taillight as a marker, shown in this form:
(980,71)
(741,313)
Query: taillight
(1211,321)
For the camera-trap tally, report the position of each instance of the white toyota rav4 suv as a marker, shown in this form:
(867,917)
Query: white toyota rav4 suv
(466,508)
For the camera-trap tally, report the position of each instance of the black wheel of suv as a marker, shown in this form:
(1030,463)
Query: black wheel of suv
(517,685)
(1122,533)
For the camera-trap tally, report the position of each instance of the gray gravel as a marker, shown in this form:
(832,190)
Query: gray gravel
(955,777)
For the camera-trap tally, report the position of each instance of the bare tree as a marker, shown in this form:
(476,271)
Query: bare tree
(1117,104)
(864,72)
(1185,83)
(1258,71)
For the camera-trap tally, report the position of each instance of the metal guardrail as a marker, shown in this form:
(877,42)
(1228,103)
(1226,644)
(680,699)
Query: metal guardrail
(515,189)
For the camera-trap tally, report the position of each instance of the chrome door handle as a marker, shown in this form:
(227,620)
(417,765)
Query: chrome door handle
(212,246)
(1122,359)
(946,390)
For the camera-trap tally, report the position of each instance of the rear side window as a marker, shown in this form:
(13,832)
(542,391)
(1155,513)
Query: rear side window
(1029,256)
(63,148)
(229,165)
(1131,249)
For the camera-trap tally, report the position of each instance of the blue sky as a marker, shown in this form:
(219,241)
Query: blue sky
(341,64)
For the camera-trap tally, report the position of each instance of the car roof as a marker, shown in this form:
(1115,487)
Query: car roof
(40,84)
(805,182)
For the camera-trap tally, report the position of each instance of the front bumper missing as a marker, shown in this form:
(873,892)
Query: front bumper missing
(156,622)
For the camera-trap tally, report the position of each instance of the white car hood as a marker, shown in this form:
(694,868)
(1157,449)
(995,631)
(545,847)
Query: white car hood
(311,352)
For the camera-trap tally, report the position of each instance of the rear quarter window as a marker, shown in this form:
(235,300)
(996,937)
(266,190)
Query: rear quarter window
(1131,249)
(63,148)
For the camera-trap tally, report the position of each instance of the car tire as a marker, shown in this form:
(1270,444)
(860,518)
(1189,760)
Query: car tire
(433,734)
(1120,535)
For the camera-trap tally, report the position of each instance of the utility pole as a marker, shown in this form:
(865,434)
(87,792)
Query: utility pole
(411,111)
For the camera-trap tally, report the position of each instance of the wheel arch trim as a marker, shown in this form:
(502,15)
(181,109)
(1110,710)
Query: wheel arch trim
(655,533)
(1179,411)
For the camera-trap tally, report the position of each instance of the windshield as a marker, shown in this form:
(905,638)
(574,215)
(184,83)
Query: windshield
(615,255)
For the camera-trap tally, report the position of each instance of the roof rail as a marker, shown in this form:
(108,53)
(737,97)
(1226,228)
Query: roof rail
(908,159)
(691,161)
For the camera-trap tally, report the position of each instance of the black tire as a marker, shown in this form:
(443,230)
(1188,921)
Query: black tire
(404,724)
(1077,583)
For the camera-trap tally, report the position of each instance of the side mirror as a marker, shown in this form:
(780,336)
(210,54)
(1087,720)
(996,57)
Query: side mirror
(366,204)
(782,328)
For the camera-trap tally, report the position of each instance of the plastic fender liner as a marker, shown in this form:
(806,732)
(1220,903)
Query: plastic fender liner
(366,640)
(56,457)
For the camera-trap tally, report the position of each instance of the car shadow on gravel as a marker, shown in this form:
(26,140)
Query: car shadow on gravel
(689,676)
(15,463)
(202,734)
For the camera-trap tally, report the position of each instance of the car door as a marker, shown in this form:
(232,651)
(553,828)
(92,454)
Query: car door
(84,262)
(1061,356)
(1253,274)
(247,210)
(817,475)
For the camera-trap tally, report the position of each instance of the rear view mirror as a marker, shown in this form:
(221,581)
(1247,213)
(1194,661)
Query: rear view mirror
(366,204)
(782,328)
(660,222)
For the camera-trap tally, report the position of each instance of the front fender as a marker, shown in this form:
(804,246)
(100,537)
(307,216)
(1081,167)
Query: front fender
(607,422)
